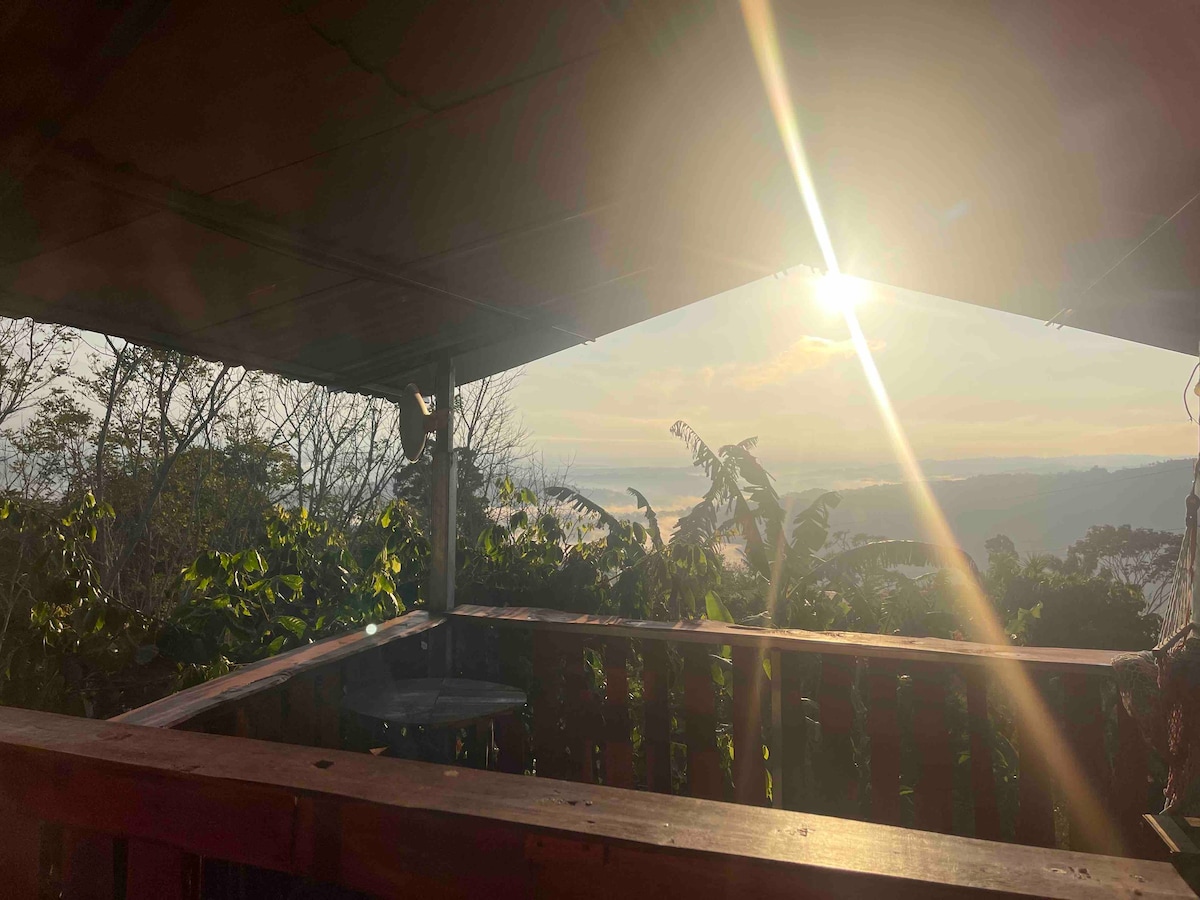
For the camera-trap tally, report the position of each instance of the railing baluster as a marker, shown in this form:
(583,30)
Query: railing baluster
(1083,723)
(749,769)
(837,778)
(618,743)
(795,732)
(579,712)
(155,871)
(20,846)
(1035,818)
(1129,783)
(329,708)
(265,713)
(983,777)
(703,765)
(547,707)
(656,707)
(300,725)
(883,727)
(933,798)
(89,865)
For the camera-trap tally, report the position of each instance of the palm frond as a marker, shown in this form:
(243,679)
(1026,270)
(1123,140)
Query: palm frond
(651,517)
(810,528)
(888,554)
(580,503)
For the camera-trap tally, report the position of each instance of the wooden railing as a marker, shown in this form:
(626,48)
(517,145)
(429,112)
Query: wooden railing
(133,812)
(889,729)
(892,729)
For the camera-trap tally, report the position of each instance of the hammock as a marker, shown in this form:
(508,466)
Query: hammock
(1160,688)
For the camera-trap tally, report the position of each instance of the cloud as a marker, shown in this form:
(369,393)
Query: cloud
(804,355)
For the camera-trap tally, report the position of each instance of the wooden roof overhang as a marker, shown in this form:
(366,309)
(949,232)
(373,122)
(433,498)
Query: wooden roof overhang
(346,190)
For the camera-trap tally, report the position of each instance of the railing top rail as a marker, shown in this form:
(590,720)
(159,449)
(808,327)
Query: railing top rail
(272,672)
(382,825)
(876,646)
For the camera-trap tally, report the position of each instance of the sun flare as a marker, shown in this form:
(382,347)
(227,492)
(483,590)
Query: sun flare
(837,290)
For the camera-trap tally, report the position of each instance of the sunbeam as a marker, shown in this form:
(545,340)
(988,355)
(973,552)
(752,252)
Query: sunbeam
(1038,726)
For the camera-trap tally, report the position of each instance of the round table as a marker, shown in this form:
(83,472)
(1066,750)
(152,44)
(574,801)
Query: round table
(438,705)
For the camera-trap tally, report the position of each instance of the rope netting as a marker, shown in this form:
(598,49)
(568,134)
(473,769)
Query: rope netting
(1160,688)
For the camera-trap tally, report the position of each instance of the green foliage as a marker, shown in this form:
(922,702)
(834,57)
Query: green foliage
(301,581)
(65,643)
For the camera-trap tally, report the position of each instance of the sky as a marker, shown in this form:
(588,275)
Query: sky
(770,359)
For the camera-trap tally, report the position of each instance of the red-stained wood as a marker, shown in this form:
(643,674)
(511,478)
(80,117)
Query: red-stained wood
(749,767)
(155,871)
(265,714)
(510,744)
(933,797)
(545,703)
(1083,726)
(89,864)
(827,643)
(1035,816)
(329,712)
(883,728)
(1130,786)
(656,710)
(836,773)
(618,739)
(796,791)
(579,710)
(704,775)
(19,853)
(396,828)
(300,721)
(983,776)
(274,672)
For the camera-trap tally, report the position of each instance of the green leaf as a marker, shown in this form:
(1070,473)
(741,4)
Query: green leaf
(295,582)
(294,625)
(716,609)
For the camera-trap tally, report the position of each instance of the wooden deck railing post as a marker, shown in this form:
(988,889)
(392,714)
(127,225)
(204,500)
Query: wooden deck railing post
(545,703)
(983,776)
(837,777)
(749,767)
(795,736)
(155,871)
(656,709)
(933,799)
(1035,817)
(883,728)
(704,776)
(19,853)
(1130,784)
(89,865)
(618,740)
(1083,725)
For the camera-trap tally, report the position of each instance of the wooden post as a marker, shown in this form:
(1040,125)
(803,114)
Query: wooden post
(883,727)
(19,845)
(933,799)
(703,765)
(749,768)
(837,779)
(656,732)
(1035,817)
(618,743)
(794,731)
(444,516)
(157,871)
(983,778)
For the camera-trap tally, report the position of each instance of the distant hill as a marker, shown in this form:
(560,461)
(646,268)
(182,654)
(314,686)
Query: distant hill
(1042,513)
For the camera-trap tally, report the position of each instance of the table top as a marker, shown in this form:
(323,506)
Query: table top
(432,701)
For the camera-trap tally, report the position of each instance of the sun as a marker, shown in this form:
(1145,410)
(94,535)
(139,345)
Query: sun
(839,293)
